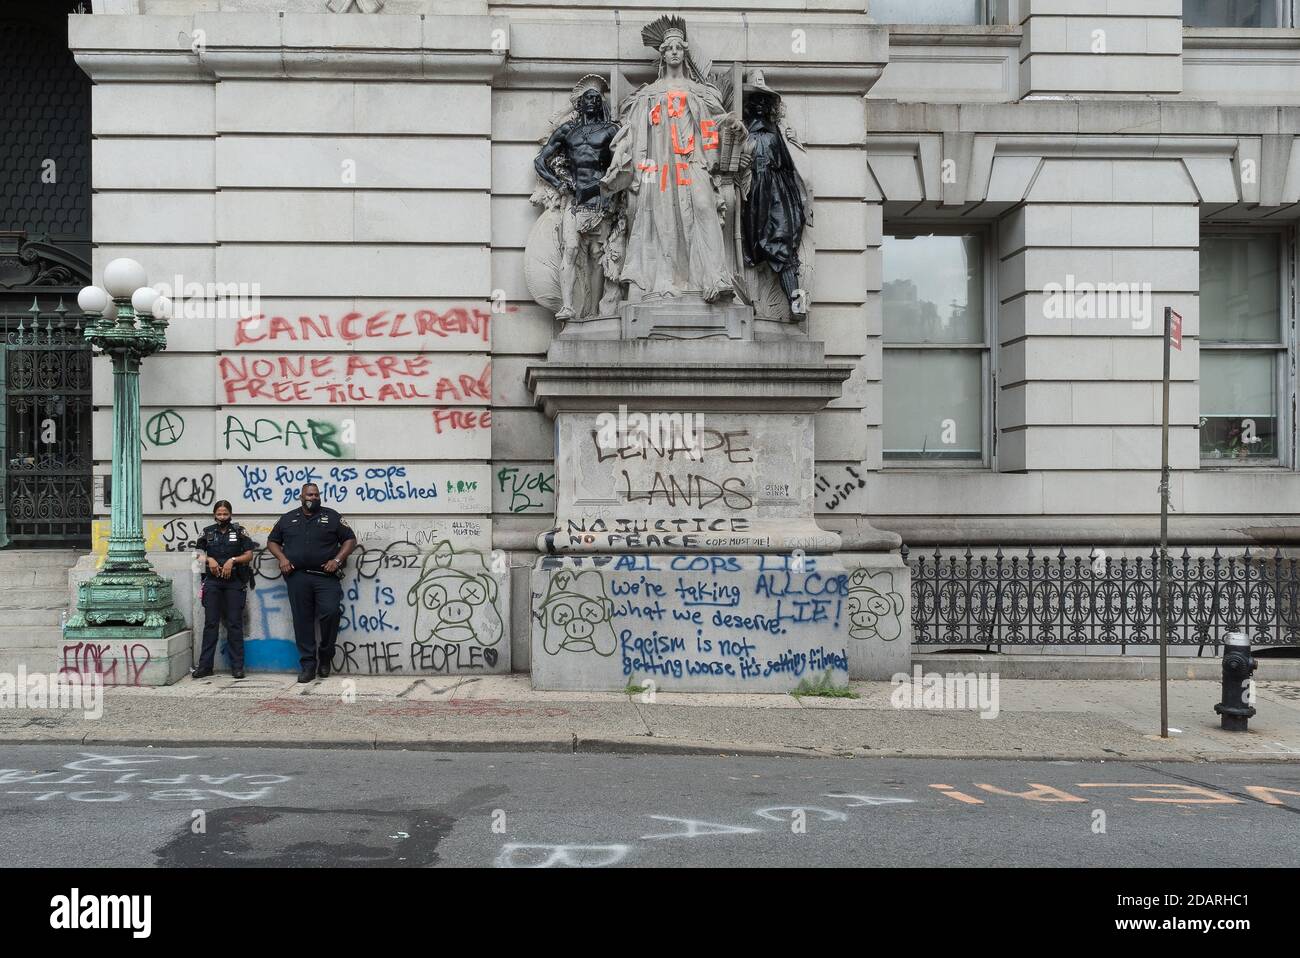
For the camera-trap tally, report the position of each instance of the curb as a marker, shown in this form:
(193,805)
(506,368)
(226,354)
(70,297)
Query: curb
(646,746)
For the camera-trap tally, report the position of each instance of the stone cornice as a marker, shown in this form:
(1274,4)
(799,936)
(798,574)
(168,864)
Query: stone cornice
(205,47)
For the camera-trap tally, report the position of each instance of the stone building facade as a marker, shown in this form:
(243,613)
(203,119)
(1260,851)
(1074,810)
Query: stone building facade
(1008,195)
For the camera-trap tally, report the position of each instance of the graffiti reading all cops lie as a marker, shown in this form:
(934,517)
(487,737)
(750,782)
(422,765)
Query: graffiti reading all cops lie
(355,378)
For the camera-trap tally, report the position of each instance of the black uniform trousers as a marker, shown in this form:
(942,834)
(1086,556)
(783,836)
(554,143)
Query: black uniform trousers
(314,598)
(223,599)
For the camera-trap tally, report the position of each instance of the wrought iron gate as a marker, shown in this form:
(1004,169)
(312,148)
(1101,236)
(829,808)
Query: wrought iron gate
(45,437)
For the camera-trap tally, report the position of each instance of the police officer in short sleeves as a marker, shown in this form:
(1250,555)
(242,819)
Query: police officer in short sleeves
(311,544)
(226,574)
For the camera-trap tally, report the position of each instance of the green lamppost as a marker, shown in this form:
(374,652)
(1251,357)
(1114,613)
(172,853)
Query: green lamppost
(126,600)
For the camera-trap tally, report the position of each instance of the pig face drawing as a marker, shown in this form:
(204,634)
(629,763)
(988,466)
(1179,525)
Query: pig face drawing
(576,614)
(874,608)
(454,605)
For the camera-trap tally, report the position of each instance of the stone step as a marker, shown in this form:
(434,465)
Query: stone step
(33,660)
(27,637)
(28,618)
(44,576)
(33,598)
(17,559)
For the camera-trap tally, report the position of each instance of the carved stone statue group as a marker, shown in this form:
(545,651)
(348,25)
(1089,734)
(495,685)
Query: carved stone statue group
(677,196)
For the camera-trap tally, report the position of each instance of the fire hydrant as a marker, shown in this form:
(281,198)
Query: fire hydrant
(1238,665)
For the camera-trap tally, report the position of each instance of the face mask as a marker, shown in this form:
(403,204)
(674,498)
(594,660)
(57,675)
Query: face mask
(311,505)
(223,523)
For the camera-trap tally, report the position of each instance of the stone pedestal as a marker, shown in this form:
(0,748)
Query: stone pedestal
(877,615)
(685,550)
(686,318)
(691,622)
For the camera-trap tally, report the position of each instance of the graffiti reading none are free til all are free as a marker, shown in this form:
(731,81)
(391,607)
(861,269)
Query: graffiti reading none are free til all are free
(351,378)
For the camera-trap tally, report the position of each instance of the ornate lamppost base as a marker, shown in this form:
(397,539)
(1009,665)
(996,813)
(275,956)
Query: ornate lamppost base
(124,605)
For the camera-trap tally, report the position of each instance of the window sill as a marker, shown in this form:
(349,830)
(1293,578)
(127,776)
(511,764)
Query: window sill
(1257,38)
(945,34)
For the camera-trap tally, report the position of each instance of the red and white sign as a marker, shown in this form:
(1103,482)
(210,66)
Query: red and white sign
(1175,330)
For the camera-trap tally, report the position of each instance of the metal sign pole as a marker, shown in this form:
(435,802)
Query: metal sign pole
(1163,606)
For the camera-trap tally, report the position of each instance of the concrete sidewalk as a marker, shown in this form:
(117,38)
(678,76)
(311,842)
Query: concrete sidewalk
(1040,719)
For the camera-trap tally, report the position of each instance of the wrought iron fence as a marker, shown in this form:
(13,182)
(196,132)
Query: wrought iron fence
(45,394)
(1096,600)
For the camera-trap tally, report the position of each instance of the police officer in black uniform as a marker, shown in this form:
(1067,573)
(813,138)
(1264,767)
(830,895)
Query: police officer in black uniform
(226,574)
(311,544)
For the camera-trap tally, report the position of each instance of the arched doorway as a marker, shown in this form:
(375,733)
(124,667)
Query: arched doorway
(45,251)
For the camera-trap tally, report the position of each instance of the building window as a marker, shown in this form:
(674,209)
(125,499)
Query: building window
(1243,347)
(928,11)
(936,347)
(1236,13)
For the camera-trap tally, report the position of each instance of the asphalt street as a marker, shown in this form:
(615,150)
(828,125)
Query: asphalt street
(104,806)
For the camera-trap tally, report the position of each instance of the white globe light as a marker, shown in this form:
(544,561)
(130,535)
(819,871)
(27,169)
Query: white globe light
(143,300)
(110,311)
(162,308)
(92,299)
(122,277)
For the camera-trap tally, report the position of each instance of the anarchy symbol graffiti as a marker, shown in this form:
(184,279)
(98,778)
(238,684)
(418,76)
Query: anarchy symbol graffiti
(164,428)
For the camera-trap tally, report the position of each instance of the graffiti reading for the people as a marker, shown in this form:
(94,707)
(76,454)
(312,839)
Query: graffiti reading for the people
(406,609)
(360,378)
(753,621)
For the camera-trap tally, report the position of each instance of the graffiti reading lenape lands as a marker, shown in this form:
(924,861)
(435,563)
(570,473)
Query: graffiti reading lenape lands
(355,327)
(352,378)
(406,609)
(695,490)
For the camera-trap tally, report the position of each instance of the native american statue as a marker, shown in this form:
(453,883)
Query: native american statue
(574,252)
(663,155)
(776,220)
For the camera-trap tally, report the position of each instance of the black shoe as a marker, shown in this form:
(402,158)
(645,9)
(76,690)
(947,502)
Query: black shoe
(200,673)
(237,674)
(306,676)
(323,670)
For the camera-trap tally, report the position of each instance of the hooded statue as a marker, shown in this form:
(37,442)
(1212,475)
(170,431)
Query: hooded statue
(777,207)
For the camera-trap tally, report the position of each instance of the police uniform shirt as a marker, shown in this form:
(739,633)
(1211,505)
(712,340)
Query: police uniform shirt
(309,541)
(222,544)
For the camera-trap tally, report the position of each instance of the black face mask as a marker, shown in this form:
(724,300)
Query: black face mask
(223,523)
(311,505)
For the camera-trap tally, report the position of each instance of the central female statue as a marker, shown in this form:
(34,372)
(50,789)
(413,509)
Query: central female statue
(669,136)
